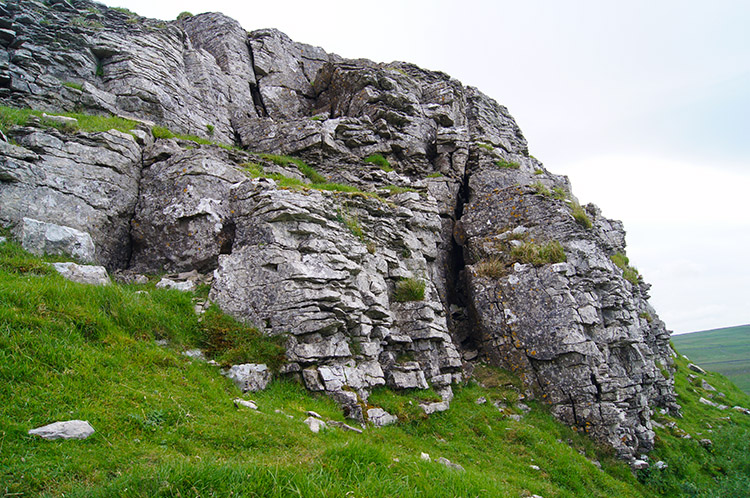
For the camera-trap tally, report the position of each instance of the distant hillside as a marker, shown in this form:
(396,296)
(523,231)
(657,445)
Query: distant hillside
(726,351)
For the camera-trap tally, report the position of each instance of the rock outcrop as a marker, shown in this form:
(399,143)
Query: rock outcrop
(435,233)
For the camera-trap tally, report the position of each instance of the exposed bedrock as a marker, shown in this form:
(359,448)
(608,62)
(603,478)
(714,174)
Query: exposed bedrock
(514,271)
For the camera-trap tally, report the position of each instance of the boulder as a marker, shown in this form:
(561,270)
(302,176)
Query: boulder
(249,376)
(83,274)
(380,417)
(69,429)
(41,238)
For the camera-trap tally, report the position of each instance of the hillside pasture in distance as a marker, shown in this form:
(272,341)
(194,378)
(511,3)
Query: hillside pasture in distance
(725,350)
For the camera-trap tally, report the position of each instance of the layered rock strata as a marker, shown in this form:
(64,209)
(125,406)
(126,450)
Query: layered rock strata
(514,272)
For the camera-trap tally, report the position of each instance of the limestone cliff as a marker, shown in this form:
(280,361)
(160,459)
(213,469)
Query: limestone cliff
(514,271)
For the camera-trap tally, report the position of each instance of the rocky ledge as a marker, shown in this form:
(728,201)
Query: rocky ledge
(429,240)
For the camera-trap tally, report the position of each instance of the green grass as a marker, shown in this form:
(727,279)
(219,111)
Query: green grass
(579,214)
(726,351)
(409,289)
(71,84)
(166,425)
(303,167)
(629,273)
(13,116)
(541,189)
(538,254)
(380,161)
(721,470)
(503,164)
(352,222)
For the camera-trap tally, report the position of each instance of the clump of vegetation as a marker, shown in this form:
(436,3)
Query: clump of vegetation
(579,214)
(538,171)
(503,164)
(210,129)
(72,84)
(12,116)
(538,254)
(629,273)
(436,174)
(409,289)
(302,166)
(162,132)
(485,146)
(184,15)
(352,222)
(541,189)
(559,193)
(646,316)
(492,267)
(379,160)
(230,342)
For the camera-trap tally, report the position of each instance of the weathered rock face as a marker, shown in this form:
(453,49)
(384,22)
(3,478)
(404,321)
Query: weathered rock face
(510,275)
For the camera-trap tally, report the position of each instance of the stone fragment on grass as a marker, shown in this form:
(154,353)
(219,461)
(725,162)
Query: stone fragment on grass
(639,465)
(83,274)
(425,456)
(661,465)
(168,283)
(315,424)
(696,368)
(39,237)
(69,429)
(311,413)
(380,417)
(249,376)
(346,427)
(449,464)
(430,408)
(705,385)
(246,403)
(741,410)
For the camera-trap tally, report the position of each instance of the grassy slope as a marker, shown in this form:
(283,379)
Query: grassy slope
(166,425)
(725,350)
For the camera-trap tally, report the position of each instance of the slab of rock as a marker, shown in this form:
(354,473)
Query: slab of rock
(249,376)
(168,283)
(315,424)
(380,417)
(449,464)
(696,368)
(83,274)
(69,429)
(639,465)
(705,385)
(41,238)
(246,403)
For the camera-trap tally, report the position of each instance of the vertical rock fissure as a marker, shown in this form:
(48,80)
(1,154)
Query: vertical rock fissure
(129,250)
(260,106)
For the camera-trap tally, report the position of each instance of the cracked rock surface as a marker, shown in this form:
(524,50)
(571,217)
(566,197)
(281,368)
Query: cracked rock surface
(514,271)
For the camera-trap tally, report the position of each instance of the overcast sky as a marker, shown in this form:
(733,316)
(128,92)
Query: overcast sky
(644,104)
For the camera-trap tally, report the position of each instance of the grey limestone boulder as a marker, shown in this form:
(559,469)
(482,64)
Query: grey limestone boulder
(41,238)
(83,274)
(69,429)
(249,376)
(380,417)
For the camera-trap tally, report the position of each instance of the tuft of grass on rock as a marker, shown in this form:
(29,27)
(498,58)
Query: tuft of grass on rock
(14,116)
(302,166)
(379,160)
(629,273)
(409,289)
(503,164)
(492,267)
(538,254)
(579,214)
